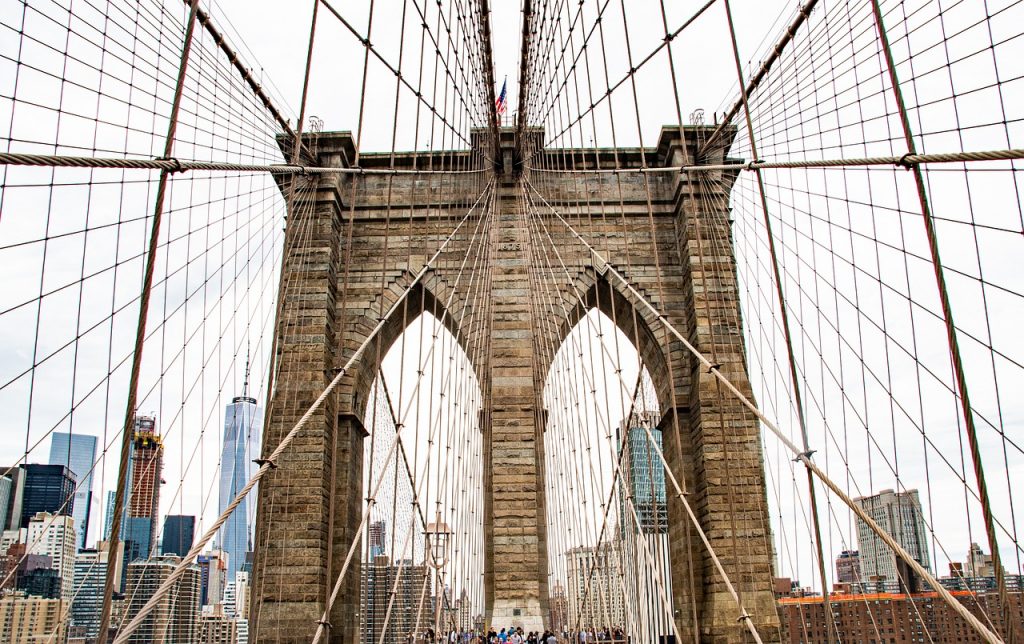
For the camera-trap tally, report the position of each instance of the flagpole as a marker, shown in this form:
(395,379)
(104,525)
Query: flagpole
(501,103)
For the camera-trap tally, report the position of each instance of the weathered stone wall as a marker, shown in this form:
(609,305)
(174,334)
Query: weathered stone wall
(516,512)
(669,236)
(330,305)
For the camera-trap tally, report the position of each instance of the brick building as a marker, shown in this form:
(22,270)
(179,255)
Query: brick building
(891,618)
(848,567)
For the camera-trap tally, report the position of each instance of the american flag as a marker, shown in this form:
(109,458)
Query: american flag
(501,103)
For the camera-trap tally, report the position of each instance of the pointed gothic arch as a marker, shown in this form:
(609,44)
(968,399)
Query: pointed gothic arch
(429,294)
(592,290)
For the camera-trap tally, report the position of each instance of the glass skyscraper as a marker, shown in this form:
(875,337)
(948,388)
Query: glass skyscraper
(243,424)
(48,488)
(89,578)
(643,474)
(642,483)
(179,532)
(108,515)
(11,517)
(77,452)
(6,496)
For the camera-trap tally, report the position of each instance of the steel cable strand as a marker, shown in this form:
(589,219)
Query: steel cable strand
(961,610)
(762,72)
(822,476)
(370,49)
(285,280)
(962,479)
(675,422)
(270,462)
(323,623)
(744,616)
(616,462)
(382,286)
(122,476)
(650,56)
(559,158)
(1010,625)
(671,372)
(592,385)
(417,511)
(84,475)
(796,383)
(573,388)
(661,290)
(558,64)
(638,628)
(721,246)
(298,234)
(402,301)
(422,364)
(873,441)
(894,340)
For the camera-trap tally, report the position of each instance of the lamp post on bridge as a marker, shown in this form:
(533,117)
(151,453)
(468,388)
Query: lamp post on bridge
(437,536)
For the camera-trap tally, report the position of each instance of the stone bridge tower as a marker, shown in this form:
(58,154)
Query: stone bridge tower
(309,508)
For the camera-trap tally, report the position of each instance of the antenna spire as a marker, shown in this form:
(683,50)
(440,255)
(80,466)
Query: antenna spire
(245,383)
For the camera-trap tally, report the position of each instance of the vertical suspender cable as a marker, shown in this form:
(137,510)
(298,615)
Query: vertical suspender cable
(127,431)
(1010,623)
(780,291)
(900,551)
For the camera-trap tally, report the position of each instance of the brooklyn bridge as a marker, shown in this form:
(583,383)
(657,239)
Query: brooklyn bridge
(402,321)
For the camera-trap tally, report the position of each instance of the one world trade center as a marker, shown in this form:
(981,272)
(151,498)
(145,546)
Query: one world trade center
(243,424)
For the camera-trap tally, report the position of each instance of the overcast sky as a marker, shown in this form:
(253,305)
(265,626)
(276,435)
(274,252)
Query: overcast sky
(870,342)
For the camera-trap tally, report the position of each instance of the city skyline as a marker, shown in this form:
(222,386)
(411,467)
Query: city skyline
(911,503)
(694,319)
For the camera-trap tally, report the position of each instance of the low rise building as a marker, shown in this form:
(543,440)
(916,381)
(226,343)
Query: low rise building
(892,618)
(30,620)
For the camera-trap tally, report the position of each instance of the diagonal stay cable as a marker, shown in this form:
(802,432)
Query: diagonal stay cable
(269,463)
(744,616)
(712,369)
(323,624)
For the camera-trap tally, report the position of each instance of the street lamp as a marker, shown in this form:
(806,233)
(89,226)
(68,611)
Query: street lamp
(437,535)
